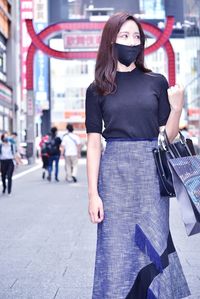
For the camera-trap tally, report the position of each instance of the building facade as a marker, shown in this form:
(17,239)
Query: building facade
(6,93)
(191,64)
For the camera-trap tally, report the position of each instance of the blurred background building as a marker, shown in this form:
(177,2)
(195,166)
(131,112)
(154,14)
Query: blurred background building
(7,109)
(60,85)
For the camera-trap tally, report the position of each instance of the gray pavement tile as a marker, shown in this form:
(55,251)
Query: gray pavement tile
(18,252)
(80,279)
(6,282)
(53,270)
(73,293)
(32,289)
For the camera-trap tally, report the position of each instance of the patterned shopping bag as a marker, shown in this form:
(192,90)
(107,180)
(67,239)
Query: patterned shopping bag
(186,179)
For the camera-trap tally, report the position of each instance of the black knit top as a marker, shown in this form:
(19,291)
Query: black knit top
(136,110)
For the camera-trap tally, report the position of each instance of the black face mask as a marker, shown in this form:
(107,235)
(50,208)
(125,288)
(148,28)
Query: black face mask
(127,54)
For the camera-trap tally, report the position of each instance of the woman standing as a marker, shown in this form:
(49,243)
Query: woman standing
(135,255)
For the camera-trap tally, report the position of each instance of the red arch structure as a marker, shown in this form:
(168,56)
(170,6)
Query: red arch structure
(38,44)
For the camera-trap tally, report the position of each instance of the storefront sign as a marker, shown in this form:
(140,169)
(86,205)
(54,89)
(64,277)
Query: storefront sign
(74,116)
(30,105)
(26,13)
(40,14)
(82,39)
(41,60)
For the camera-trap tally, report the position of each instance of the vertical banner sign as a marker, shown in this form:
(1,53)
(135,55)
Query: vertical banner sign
(30,127)
(26,8)
(40,16)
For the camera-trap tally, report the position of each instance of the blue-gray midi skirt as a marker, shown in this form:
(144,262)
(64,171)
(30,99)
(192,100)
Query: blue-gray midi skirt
(135,255)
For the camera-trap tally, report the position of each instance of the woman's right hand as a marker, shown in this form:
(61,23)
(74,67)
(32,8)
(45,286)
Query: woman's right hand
(95,209)
(176,97)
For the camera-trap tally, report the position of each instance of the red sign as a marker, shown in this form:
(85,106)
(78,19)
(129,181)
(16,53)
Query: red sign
(81,40)
(194,113)
(74,115)
(26,7)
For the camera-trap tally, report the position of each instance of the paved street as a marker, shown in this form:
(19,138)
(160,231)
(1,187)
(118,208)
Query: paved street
(47,242)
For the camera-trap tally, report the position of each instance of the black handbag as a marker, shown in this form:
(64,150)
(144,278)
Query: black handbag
(165,151)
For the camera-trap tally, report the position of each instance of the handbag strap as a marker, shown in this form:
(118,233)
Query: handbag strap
(172,148)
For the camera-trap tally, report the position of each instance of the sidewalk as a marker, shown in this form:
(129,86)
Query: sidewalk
(25,166)
(47,243)
(188,249)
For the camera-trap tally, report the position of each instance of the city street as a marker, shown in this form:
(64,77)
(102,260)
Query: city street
(47,243)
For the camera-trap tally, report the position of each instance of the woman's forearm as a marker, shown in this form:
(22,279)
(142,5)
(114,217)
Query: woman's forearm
(172,126)
(93,161)
(176,100)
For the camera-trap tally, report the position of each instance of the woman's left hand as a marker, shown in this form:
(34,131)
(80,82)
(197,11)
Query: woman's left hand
(176,97)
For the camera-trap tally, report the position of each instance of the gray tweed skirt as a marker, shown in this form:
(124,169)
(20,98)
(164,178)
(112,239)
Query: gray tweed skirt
(135,255)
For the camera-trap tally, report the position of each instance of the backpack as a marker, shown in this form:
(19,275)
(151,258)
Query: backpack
(50,147)
(44,148)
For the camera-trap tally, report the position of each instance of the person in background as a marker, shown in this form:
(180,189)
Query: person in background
(54,153)
(71,147)
(8,157)
(44,154)
(13,138)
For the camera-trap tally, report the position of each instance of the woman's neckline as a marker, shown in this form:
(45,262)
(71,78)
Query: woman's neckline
(127,72)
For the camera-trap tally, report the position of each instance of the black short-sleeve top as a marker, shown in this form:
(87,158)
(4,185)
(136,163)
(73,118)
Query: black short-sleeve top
(136,110)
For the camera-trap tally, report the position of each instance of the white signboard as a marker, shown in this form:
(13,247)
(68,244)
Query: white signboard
(40,11)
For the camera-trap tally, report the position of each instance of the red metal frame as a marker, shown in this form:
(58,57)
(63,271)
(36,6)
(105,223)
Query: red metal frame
(163,41)
(38,44)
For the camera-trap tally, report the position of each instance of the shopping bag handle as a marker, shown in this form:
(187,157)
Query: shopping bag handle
(171,148)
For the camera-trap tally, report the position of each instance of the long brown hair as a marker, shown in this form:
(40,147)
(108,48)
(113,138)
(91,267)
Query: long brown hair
(106,63)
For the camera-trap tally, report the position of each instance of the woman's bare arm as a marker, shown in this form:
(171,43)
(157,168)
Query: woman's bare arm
(93,162)
(176,99)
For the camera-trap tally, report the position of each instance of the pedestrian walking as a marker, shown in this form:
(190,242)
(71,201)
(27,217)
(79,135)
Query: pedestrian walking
(8,157)
(54,153)
(71,145)
(44,152)
(135,255)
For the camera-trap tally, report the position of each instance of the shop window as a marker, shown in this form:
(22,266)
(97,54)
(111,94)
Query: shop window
(6,123)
